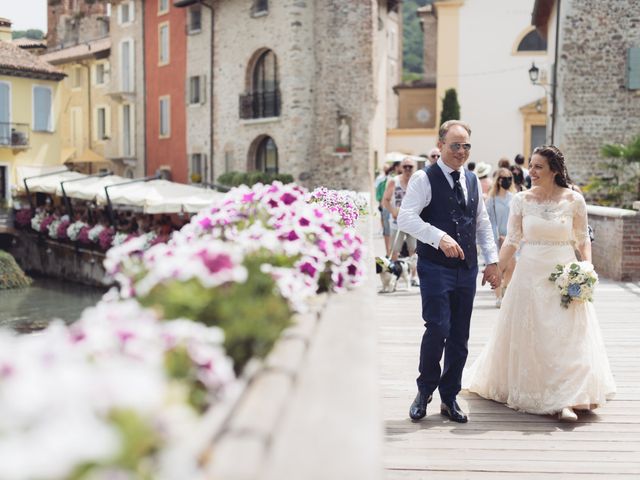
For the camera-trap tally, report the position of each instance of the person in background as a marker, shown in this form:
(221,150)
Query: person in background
(482,171)
(518,178)
(498,204)
(519,161)
(393,195)
(380,187)
(471,166)
(434,155)
(503,163)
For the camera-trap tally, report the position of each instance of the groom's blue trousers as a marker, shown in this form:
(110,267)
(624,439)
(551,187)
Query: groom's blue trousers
(447,301)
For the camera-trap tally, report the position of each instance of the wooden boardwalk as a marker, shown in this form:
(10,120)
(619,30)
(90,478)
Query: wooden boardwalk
(499,443)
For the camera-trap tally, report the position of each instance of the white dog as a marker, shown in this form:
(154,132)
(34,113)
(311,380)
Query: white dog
(390,272)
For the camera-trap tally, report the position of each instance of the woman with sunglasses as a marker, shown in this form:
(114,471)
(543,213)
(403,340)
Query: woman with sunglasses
(498,204)
(393,195)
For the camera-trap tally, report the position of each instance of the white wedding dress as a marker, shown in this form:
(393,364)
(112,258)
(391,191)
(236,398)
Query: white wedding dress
(542,357)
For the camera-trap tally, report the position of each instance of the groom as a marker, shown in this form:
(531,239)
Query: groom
(444,210)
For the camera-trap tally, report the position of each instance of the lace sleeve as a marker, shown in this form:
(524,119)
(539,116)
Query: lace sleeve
(580,229)
(514,226)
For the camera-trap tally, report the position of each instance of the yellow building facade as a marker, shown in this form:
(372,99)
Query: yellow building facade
(30,105)
(86,126)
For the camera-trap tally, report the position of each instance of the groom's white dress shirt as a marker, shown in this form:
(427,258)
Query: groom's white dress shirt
(418,196)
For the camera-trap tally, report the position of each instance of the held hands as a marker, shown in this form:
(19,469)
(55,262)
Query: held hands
(451,248)
(492,275)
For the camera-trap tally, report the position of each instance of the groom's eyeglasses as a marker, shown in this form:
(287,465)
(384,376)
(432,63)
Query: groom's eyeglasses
(457,146)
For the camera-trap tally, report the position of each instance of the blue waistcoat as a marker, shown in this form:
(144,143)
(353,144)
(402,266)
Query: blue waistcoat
(444,213)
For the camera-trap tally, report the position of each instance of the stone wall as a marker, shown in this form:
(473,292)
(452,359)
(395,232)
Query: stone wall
(326,53)
(594,106)
(616,249)
(36,254)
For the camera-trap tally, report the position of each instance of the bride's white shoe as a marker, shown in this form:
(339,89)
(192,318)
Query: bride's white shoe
(567,415)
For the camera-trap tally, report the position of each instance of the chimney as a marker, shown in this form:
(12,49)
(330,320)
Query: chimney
(5,30)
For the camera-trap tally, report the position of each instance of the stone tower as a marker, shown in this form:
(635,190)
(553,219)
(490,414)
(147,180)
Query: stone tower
(70,22)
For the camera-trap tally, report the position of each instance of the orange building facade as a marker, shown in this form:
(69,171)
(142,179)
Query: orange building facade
(165,60)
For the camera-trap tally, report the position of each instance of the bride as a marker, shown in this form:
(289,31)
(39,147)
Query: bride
(543,358)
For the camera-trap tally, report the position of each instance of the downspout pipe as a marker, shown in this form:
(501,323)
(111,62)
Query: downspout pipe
(554,83)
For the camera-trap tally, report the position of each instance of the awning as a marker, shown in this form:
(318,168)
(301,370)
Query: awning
(89,156)
(50,183)
(66,154)
(89,187)
(159,196)
(153,196)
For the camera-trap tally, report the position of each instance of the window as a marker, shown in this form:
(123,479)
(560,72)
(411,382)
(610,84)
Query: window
(532,42)
(5,113)
(259,8)
(267,156)
(163,43)
(101,124)
(196,89)
(126,65)
(633,68)
(100,73)
(76,77)
(42,109)
(195,19)
(165,123)
(197,168)
(163,6)
(126,12)
(127,130)
(264,99)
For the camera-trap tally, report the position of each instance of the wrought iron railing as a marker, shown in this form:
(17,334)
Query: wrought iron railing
(260,104)
(14,135)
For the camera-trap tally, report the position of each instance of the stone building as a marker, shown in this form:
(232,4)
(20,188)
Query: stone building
(302,87)
(595,46)
(70,22)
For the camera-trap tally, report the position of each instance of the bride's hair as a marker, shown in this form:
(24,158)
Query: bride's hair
(555,158)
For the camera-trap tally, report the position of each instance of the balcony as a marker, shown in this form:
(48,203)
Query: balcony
(260,105)
(14,135)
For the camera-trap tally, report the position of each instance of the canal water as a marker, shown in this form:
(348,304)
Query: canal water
(32,308)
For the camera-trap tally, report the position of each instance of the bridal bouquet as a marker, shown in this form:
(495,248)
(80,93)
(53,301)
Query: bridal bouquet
(576,281)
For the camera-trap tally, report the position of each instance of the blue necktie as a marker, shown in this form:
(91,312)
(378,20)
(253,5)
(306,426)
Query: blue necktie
(457,188)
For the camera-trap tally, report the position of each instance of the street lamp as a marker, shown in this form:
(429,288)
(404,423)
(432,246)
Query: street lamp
(534,73)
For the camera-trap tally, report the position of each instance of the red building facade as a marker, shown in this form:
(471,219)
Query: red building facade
(165,61)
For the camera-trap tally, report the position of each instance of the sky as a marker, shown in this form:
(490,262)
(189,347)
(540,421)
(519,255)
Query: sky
(25,14)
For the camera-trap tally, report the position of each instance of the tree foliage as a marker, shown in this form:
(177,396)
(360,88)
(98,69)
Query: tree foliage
(32,33)
(618,185)
(412,37)
(450,106)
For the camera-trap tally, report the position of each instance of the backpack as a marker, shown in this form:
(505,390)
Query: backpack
(380,190)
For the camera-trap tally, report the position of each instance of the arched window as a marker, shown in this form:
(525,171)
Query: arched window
(267,156)
(263,99)
(532,42)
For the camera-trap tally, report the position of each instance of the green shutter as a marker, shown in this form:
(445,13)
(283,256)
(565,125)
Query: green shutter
(633,68)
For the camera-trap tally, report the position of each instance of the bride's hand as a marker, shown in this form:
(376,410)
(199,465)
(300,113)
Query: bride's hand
(492,275)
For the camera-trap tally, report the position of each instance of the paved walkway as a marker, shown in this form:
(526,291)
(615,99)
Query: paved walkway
(499,443)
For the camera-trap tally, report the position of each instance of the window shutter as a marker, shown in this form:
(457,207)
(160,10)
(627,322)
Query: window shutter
(132,11)
(107,121)
(203,89)
(42,109)
(633,68)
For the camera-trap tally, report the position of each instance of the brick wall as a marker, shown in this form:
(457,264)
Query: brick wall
(616,249)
